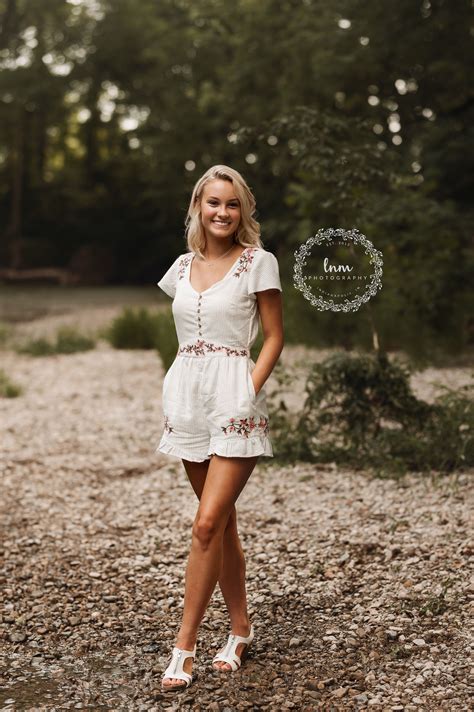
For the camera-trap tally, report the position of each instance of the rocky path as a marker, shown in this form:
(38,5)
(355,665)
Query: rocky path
(359,588)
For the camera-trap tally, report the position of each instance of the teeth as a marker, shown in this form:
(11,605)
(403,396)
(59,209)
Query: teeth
(219,222)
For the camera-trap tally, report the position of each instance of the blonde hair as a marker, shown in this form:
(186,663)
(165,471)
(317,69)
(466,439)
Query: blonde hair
(248,233)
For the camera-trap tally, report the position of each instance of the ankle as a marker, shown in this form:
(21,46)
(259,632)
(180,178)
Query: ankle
(185,641)
(241,626)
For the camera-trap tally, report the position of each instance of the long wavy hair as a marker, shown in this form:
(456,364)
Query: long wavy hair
(248,232)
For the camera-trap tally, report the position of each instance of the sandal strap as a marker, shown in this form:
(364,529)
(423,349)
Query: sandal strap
(180,676)
(228,654)
(175,668)
(232,658)
(242,638)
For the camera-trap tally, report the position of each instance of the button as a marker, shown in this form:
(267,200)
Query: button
(199,311)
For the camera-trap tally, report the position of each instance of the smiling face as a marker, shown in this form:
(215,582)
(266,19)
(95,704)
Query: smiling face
(220,209)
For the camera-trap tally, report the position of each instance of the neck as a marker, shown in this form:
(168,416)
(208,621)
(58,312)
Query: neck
(215,249)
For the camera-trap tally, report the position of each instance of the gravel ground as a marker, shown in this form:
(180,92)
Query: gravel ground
(359,588)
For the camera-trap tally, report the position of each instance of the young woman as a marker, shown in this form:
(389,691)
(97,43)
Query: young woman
(214,400)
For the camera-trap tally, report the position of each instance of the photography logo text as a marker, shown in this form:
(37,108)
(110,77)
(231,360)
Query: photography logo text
(338,270)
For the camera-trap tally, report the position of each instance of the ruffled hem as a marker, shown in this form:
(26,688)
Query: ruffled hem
(228,447)
(169,449)
(241,447)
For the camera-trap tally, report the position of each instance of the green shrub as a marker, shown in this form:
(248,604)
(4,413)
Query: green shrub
(133,329)
(6,332)
(167,342)
(8,389)
(68,341)
(360,411)
(36,347)
(139,329)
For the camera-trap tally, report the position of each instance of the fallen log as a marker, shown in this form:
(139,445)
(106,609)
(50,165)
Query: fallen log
(55,275)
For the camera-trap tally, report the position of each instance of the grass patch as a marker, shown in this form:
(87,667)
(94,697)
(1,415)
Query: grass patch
(6,333)
(8,389)
(67,341)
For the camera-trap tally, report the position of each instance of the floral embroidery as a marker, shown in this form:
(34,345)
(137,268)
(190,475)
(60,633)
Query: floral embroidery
(168,428)
(201,347)
(244,426)
(246,259)
(183,263)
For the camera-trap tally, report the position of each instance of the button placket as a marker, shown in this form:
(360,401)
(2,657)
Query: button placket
(199,313)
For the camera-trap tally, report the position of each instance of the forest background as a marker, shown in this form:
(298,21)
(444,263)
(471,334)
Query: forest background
(347,114)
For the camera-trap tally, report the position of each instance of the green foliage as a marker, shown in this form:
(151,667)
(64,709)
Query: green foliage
(435,605)
(140,329)
(37,347)
(68,341)
(323,132)
(8,389)
(167,342)
(6,332)
(360,411)
(133,329)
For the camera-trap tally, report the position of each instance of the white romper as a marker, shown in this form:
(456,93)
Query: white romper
(209,401)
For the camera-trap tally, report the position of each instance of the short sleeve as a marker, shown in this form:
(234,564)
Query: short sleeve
(264,274)
(168,282)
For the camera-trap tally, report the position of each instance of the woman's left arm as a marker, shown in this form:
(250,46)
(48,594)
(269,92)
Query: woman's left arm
(271,315)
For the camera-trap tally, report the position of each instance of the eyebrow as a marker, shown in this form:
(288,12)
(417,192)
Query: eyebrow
(231,200)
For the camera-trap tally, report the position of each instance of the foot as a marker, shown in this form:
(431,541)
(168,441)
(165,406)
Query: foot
(237,630)
(187,665)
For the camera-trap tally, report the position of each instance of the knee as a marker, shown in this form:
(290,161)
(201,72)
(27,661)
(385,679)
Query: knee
(231,522)
(205,529)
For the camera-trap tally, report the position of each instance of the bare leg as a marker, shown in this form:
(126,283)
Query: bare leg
(232,585)
(232,575)
(224,481)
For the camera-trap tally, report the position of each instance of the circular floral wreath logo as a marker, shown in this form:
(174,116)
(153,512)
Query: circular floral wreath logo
(340,244)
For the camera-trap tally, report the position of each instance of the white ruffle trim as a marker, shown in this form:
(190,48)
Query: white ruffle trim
(176,451)
(225,447)
(241,447)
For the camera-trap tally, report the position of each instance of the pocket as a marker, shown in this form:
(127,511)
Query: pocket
(166,380)
(253,394)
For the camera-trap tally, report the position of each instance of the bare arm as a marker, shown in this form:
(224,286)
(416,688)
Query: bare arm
(271,315)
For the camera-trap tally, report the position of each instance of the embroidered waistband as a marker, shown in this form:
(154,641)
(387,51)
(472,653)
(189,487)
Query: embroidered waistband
(202,348)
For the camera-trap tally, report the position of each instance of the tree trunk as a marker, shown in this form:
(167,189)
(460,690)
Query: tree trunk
(12,233)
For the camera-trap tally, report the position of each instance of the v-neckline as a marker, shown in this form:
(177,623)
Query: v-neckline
(219,280)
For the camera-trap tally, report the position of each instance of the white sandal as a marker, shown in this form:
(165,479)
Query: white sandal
(175,669)
(228,654)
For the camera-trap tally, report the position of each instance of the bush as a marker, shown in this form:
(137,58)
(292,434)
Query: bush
(167,342)
(6,332)
(138,329)
(133,329)
(360,411)
(8,389)
(68,341)
(37,347)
